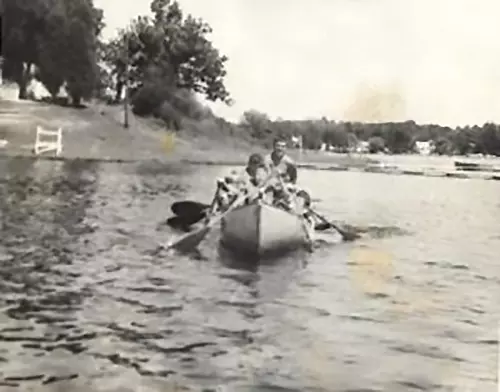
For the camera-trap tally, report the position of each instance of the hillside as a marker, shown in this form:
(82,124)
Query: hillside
(97,132)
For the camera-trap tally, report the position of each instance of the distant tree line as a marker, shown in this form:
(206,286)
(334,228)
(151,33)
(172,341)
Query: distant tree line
(168,59)
(391,137)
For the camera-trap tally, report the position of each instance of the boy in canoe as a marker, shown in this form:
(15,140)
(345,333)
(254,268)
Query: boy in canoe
(290,197)
(247,182)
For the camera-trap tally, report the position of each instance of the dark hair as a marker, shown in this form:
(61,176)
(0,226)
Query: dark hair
(256,159)
(307,199)
(278,139)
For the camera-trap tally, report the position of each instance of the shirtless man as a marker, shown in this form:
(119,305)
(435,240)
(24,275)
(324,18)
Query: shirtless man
(286,168)
(280,161)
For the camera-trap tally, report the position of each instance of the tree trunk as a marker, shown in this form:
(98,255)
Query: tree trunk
(119,90)
(23,90)
(24,81)
(77,100)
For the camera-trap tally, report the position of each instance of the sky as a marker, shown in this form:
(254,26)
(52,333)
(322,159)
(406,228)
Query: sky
(431,61)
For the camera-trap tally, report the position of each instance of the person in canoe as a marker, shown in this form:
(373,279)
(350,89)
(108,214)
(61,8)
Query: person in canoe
(230,187)
(286,193)
(286,168)
(279,160)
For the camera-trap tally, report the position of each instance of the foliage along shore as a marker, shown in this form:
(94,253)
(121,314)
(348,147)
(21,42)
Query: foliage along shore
(96,133)
(168,60)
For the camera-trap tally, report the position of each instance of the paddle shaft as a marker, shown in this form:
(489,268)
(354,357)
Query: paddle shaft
(345,235)
(213,204)
(192,239)
(194,211)
(302,218)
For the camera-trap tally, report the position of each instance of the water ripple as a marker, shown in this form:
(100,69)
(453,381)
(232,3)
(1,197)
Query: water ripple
(86,303)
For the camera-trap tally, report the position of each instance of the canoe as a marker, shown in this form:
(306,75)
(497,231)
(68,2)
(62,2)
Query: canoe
(473,166)
(261,230)
(467,166)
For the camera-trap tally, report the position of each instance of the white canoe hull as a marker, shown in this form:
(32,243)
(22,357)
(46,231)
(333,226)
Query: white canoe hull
(260,229)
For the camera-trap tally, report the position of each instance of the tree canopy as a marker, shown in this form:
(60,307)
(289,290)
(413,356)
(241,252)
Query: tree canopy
(55,41)
(169,48)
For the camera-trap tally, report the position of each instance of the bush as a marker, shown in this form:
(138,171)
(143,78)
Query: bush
(442,146)
(186,103)
(148,99)
(376,144)
(170,115)
(167,103)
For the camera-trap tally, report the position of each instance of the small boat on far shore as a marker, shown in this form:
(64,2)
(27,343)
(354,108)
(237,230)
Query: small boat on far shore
(261,230)
(474,166)
(466,165)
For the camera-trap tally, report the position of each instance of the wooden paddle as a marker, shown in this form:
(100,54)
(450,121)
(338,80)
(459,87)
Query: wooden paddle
(180,223)
(191,211)
(303,220)
(346,235)
(191,240)
(189,208)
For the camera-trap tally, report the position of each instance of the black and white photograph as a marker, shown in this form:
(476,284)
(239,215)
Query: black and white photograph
(250,196)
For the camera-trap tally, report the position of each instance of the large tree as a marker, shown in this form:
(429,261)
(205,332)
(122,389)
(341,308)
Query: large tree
(23,25)
(80,59)
(51,50)
(58,38)
(171,49)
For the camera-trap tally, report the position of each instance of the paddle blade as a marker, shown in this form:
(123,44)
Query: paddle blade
(189,241)
(348,235)
(322,226)
(347,232)
(179,223)
(188,208)
(325,224)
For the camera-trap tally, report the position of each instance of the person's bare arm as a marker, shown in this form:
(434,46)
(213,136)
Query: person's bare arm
(292,172)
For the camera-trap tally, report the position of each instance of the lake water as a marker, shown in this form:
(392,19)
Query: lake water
(88,303)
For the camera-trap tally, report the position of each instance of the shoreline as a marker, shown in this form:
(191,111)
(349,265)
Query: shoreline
(96,134)
(368,169)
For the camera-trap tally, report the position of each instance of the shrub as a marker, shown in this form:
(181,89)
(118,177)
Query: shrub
(376,144)
(147,99)
(169,114)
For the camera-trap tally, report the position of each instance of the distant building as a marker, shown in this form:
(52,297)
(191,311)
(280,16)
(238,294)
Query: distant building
(296,141)
(424,148)
(327,147)
(363,146)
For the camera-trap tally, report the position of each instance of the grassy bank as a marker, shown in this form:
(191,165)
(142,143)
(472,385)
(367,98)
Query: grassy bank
(97,132)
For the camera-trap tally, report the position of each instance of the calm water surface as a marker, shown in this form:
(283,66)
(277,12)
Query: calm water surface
(88,303)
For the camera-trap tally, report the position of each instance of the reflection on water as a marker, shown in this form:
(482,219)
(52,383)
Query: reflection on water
(43,213)
(88,304)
